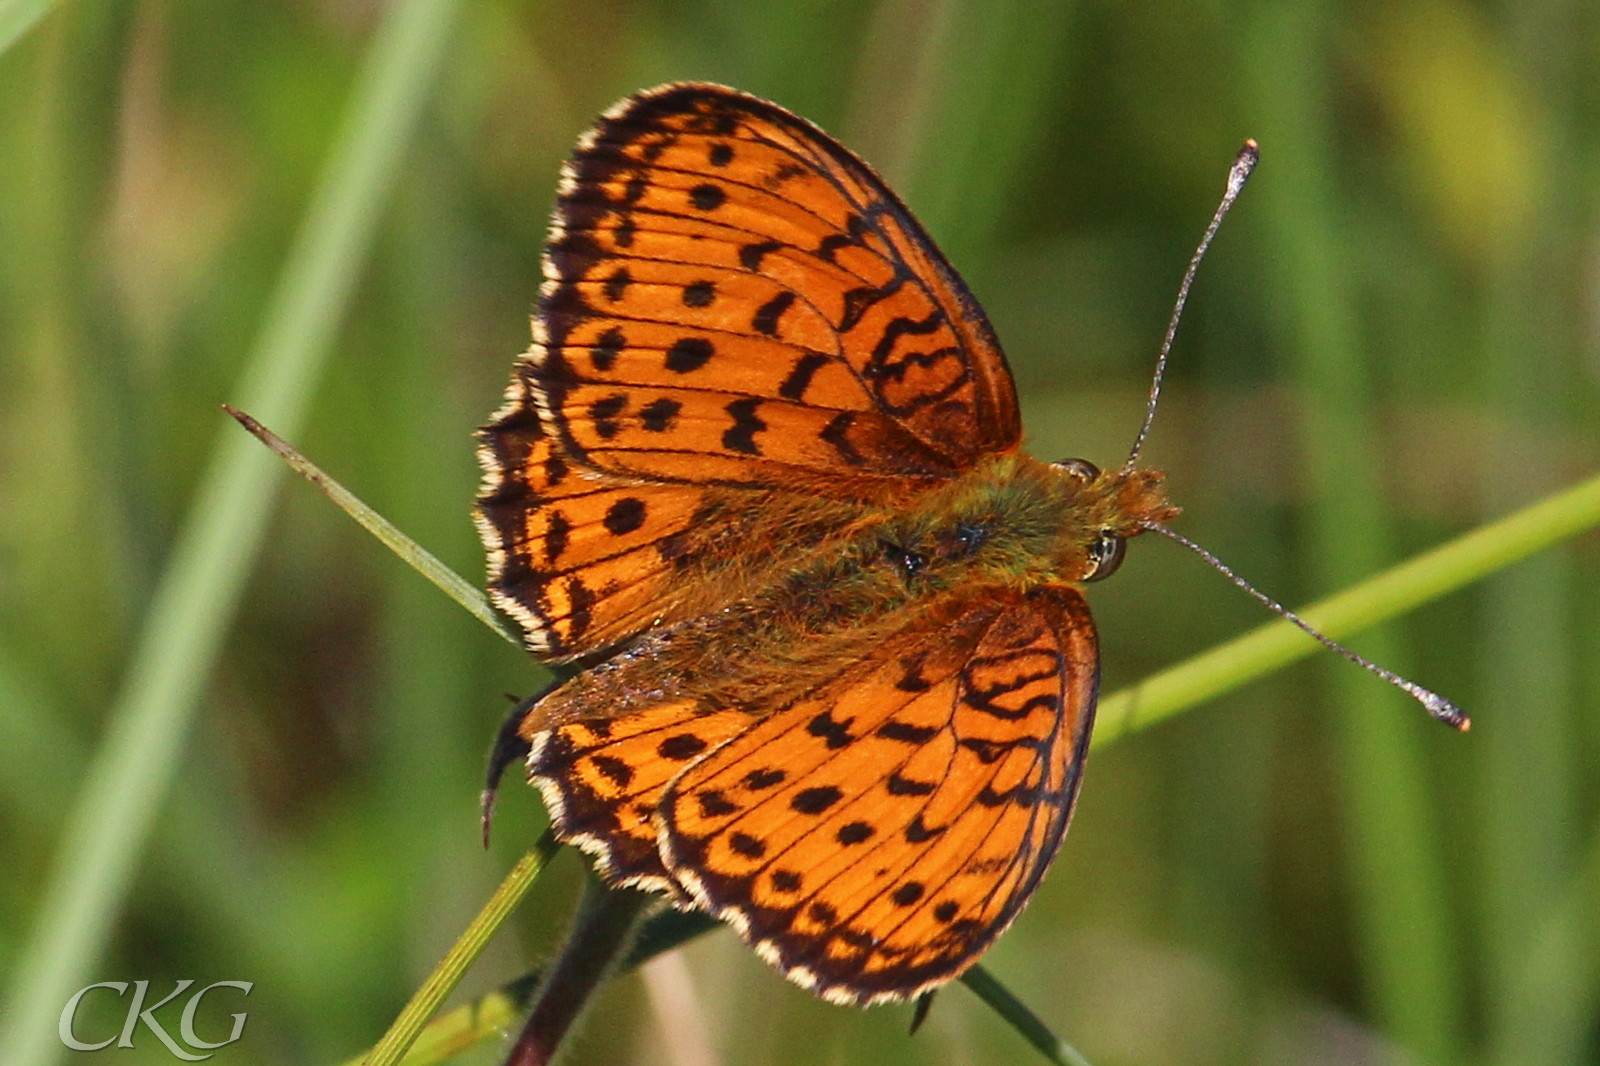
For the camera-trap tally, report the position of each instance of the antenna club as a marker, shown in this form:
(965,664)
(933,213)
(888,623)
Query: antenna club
(1243,165)
(1445,711)
(1237,174)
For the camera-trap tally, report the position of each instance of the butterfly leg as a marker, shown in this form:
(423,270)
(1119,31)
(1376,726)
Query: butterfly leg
(509,747)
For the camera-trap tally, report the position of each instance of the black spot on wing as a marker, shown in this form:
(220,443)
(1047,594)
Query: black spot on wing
(617,284)
(908,893)
(556,534)
(658,415)
(748,846)
(741,436)
(835,733)
(689,354)
(714,804)
(750,255)
(707,196)
(614,769)
(580,609)
(603,413)
(606,348)
(765,777)
(625,515)
(681,746)
(906,732)
(699,293)
(799,380)
(854,833)
(815,800)
(907,786)
(766,317)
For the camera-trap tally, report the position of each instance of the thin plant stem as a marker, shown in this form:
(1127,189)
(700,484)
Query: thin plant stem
(1391,593)
(1024,1021)
(17,17)
(415,555)
(600,936)
(151,715)
(411,1020)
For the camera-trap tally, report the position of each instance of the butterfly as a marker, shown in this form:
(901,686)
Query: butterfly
(760,475)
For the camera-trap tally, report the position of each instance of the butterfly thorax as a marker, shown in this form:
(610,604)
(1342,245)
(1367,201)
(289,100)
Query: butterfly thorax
(1017,522)
(1009,526)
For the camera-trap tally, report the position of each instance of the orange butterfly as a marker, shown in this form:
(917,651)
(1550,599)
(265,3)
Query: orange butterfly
(760,473)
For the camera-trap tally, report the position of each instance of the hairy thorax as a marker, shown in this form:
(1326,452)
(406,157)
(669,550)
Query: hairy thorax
(1010,525)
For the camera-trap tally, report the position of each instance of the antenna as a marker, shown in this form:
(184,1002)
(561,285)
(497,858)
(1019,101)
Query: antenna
(1439,707)
(1436,705)
(1243,164)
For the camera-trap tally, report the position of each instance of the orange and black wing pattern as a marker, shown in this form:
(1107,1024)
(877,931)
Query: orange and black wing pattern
(580,560)
(873,837)
(733,297)
(603,779)
(732,302)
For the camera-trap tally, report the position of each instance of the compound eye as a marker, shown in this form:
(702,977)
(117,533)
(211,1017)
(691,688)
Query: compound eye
(1105,555)
(1082,469)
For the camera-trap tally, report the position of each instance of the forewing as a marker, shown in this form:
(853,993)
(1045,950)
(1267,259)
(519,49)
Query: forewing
(733,297)
(872,839)
(580,560)
(732,301)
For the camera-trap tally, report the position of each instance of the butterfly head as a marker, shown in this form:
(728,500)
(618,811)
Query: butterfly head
(1119,504)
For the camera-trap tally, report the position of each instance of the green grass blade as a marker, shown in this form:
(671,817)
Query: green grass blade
(410,1022)
(454,1032)
(415,555)
(1426,577)
(1020,1018)
(490,1015)
(17,17)
(199,590)
(1394,865)
(1558,968)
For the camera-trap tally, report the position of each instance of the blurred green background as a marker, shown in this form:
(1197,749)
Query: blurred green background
(1396,338)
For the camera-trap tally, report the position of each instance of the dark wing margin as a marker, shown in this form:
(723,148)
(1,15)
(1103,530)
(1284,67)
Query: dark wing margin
(732,301)
(874,838)
(732,296)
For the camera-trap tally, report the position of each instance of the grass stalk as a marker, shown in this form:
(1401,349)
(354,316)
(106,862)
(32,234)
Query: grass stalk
(425,1001)
(151,715)
(1423,578)
(17,17)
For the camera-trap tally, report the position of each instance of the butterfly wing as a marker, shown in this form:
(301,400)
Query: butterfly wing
(733,302)
(726,261)
(602,781)
(577,559)
(872,838)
